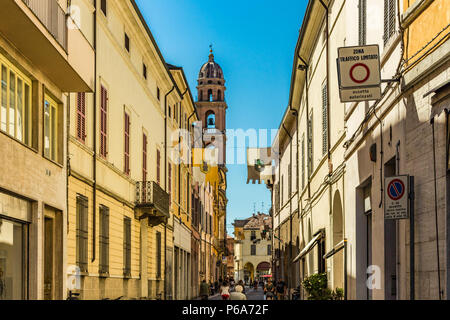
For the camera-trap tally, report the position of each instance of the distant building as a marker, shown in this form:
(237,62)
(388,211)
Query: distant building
(252,247)
(230,256)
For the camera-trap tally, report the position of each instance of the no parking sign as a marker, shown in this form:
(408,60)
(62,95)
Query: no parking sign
(396,197)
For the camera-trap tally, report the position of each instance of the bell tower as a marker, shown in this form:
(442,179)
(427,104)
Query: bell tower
(211,105)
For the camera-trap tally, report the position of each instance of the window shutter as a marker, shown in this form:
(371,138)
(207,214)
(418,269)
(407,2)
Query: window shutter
(158,255)
(303,161)
(81,116)
(324,120)
(170,180)
(127,247)
(158,165)
(82,232)
(144,158)
(289,180)
(104,240)
(127,144)
(310,145)
(389,19)
(362,20)
(103,122)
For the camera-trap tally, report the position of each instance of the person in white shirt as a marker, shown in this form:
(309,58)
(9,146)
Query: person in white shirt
(225,291)
(237,294)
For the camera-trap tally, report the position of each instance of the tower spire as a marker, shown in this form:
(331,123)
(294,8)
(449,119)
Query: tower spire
(211,55)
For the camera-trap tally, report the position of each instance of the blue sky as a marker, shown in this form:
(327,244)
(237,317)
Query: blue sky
(254,42)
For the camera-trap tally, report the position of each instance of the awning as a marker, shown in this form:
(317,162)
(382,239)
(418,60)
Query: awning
(336,249)
(308,247)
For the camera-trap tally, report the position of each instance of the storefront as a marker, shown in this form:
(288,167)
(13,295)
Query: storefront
(15,218)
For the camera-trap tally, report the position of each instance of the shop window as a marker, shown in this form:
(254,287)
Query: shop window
(14,221)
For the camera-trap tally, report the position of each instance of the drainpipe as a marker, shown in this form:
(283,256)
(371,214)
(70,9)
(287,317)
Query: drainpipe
(328,85)
(305,67)
(94,137)
(290,202)
(436,212)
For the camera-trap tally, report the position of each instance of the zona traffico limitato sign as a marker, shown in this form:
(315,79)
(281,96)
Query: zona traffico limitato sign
(359,73)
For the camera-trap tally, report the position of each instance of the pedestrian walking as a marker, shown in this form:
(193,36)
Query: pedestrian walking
(204,290)
(240,285)
(238,294)
(225,291)
(269,290)
(281,290)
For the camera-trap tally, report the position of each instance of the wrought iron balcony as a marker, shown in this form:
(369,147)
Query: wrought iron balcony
(52,17)
(151,202)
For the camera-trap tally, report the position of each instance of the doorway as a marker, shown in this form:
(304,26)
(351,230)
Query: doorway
(53,253)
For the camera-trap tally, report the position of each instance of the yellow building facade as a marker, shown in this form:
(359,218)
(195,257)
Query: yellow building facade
(118,237)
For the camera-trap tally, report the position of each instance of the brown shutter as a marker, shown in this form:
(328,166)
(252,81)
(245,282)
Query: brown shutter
(127,144)
(81,116)
(144,158)
(103,122)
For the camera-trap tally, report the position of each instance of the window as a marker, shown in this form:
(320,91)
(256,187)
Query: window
(310,144)
(103,6)
(187,195)
(103,122)
(127,42)
(289,180)
(170,111)
(219,95)
(253,250)
(158,255)
(211,120)
(324,119)
(82,233)
(269,250)
(15,114)
(158,93)
(303,161)
(253,236)
(50,129)
(144,157)
(282,191)
(81,117)
(158,167)
(362,22)
(127,247)
(144,71)
(389,20)
(127,144)
(104,240)
(320,256)
(170,181)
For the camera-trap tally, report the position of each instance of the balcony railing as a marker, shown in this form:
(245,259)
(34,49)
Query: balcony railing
(152,200)
(52,16)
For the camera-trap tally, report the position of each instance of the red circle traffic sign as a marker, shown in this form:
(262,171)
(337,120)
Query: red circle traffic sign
(396,189)
(353,69)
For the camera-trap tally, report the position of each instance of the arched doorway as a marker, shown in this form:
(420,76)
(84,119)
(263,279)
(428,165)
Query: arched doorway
(338,236)
(249,272)
(262,269)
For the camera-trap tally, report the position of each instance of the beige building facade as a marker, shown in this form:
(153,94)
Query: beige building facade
(33,131)
(346,150)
